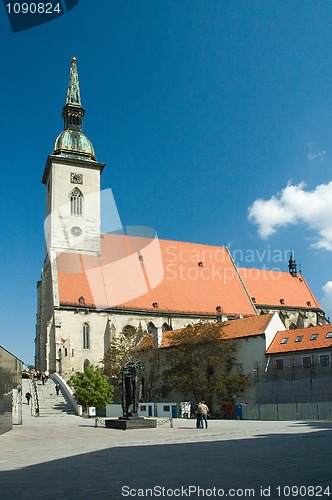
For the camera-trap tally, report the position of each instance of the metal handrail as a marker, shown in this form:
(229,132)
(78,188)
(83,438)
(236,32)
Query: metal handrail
(35,396)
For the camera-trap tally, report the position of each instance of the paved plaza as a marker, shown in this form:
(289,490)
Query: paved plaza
(67,457)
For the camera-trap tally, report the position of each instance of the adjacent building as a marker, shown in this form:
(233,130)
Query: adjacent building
(10,382)
(299,366)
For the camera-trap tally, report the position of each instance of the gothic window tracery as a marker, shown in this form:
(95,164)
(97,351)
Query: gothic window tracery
(76,202)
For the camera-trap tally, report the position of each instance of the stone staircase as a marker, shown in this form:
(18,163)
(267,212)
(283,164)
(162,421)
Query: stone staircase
(51,405)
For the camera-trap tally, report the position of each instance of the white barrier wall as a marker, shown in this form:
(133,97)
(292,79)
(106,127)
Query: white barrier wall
(288,411)
(151,409)
(114,410)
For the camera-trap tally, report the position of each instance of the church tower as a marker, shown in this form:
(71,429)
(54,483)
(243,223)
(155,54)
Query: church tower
(72,180)
(72,224)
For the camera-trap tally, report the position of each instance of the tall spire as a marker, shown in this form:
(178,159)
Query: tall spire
(72,143)
(73,93)
(73,112)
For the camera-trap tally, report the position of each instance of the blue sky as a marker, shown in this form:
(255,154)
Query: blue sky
(199,108)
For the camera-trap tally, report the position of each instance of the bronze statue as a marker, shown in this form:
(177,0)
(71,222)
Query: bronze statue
(131,387)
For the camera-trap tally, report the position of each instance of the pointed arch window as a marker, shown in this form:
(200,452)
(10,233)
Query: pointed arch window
(86,336)
(151,328)
(129,330)
(76,202)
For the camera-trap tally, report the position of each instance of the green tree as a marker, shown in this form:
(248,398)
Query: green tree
(129,345)
(124,347)
(199,360)
(91,388)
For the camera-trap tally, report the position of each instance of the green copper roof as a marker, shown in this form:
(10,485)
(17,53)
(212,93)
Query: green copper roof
(72,143)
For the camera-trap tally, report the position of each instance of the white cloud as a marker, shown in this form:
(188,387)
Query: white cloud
(294,205)
(326,300)
(316,156)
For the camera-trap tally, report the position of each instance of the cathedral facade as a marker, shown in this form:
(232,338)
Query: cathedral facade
(96,284)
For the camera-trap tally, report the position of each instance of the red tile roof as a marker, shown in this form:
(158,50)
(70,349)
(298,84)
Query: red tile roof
(277,347)
(234,329)
(247,327)
(171,276)
(147,274)
(272,287)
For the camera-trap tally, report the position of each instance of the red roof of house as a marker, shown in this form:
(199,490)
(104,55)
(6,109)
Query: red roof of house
(234,329)
(246,327)
(145,274)
(278,288)
(313,337)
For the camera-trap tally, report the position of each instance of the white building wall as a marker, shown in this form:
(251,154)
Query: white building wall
(275,325)
(71,354)
(59,220)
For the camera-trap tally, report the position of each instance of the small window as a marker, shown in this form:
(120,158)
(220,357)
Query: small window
(129,330)
(324,360)
(284,340)
(166,408)
(143,407)
(299,338)
(279,364)
(306,361)
(329,335)
(86,336)
(152,329)
(314,336)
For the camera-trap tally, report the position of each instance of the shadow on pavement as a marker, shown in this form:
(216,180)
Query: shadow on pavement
(245,465)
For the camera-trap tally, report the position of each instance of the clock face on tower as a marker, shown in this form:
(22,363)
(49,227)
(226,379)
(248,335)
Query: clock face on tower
(76,178)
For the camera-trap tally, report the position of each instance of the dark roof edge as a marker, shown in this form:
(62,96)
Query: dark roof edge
(149,312)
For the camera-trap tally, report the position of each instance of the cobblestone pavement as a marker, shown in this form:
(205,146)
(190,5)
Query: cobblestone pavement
(69,458)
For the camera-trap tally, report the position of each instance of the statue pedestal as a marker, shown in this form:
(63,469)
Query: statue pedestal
(130,423)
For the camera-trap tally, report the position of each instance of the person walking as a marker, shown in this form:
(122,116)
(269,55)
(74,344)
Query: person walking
(199,421)
(28,396)
(203,410)
(57,389)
